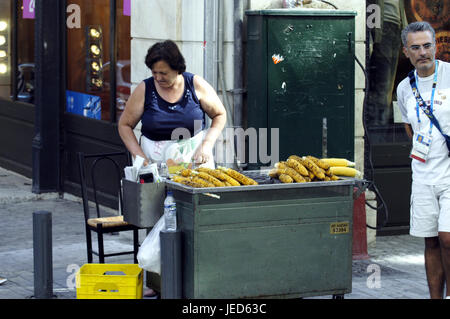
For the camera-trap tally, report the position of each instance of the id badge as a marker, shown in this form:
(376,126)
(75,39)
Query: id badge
(421,147)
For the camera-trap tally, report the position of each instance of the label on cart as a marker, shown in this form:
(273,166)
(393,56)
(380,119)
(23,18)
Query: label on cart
(340,228)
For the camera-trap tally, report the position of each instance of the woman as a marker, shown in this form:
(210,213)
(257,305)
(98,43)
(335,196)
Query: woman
(166,102)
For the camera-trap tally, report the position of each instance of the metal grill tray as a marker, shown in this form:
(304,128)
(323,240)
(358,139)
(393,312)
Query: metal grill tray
(265,183)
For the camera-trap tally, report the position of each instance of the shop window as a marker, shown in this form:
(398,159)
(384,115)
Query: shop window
(5,49)
(89,60)
(123,65)
(23,52)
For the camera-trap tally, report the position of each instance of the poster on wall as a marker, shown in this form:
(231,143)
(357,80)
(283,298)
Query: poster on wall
(127,7)
(83,104)
(28,9)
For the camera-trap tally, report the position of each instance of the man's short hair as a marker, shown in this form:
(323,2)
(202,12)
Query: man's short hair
(417,27)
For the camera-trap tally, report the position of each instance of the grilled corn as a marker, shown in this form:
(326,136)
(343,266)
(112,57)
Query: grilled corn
(273,173)
(219,175)
(186,172)
(209,178)
(292,173)
(203,182)
(179,178)
(317,171)
(292,163)
(322,164)
(334,177)
(241,178)
(284,178)
(281,164)
(185,181)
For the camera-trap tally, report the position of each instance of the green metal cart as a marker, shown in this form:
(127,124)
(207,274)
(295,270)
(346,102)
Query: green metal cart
(270,240)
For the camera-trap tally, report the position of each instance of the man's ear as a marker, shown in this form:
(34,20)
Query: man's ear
(405,52)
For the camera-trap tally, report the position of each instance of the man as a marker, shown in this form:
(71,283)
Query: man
(430,191)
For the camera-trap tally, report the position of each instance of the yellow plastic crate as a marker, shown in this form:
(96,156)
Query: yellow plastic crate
(109,281)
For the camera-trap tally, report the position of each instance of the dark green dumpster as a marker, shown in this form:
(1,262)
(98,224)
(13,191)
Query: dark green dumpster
(270,240)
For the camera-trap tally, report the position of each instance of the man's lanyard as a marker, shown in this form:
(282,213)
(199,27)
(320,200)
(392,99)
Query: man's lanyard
(427,109)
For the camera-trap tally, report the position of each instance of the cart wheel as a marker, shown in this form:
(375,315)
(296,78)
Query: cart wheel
(341,296)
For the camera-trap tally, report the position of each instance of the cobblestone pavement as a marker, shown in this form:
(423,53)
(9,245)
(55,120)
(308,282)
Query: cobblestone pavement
(395,268)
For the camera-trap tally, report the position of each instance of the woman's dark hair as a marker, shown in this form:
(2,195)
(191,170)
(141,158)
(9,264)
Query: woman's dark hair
(168,52)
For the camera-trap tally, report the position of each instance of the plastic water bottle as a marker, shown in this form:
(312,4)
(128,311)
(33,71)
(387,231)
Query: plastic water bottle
(170,212)
(163,171)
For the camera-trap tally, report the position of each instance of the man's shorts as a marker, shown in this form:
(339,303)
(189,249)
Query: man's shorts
(430,210)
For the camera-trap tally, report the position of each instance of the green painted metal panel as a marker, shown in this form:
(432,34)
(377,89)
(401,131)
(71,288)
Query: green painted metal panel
(313,84)
(265,242)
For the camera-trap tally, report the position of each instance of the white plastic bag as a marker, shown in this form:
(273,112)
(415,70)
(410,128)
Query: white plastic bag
(149,254)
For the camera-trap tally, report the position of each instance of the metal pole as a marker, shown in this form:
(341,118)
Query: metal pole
(42,252)
(49,95)
(171,279)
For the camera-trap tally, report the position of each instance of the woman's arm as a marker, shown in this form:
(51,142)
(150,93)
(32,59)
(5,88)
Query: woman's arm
(212,106)
(129,119)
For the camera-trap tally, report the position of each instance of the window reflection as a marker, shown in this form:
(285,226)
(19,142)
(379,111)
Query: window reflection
(5,49)
(25,56)
(88,60)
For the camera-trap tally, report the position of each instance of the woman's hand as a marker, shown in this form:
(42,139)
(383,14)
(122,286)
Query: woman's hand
(203,153)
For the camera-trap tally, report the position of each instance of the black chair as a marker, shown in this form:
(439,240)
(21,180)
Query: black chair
(89,165)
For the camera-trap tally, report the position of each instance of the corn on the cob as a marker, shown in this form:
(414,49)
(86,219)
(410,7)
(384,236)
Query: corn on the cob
(331,175)
(209,178)
(201,181)
(313,169)
(292,173)
(345,171)
(322,164)
(219,175)
(192,184)
(318,172)
(338,162)
(284,178)
(334,177)
(292,163)
(185,181)
(241,178)
(273,173)
(281,164)
(179,178)
(295,157)
(186,172)
(229,179)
